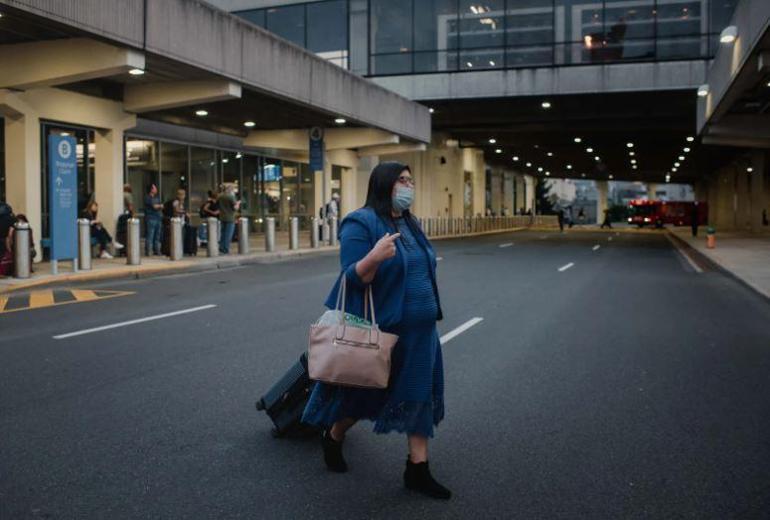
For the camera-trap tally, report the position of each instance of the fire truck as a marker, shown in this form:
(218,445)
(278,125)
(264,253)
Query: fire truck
(658,213)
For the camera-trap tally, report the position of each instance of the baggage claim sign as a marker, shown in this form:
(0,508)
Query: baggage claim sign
(62,193)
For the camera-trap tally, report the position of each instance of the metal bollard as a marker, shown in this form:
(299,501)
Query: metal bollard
(133,255)
(325,230)
(315,233)
(21,246)
(212,237)
(243,236)
(84,244)
(175,249)
(270,234)
(293,233)
(333,231)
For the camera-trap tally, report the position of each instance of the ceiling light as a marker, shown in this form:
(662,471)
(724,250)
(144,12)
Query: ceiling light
(630,145)
(611,177)
(578,140)
(690,139)
(681,157)
(634,167)
(686,150)
(583,175)
(749,169)
(673,169)
(492,63)
(633,161)
(238,155)
(547,174)
(703,90)
(631,154)
(498,151)
(225,160)
(676,164)
(597,158)
(136,72)
(569,166)
(492,141)
(529,165)
(431,110)
(668,178)
(201,113)
(249,124)
(540,168)
(729,34)
(550,154)
(470,65)
(546,104)
(590,150)
(515,157)
(340,121)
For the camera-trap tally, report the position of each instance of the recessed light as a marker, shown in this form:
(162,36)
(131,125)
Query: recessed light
(249,124)
(136,72)
(590,150)
(611,177)
(515,157)
(340,121)
(729,34)
(633,161)
(225,160)
(492,63)
(550,154)
(749,169)
(703,90)
(201,113)
(540,168)
(569,166)
(676,164)
(631,154)
(469,64)
(583,175)
(686,150)
(546,104)
(529,165)
(238,155)
(681,157)
(673,169)
(578,140)
(431,110)
(498,151)
(597,158)
(492,141)
(630,145)
(690,139)
(634,167)
(547,174)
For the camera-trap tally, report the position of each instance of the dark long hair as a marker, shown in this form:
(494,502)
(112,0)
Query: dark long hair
(379,197)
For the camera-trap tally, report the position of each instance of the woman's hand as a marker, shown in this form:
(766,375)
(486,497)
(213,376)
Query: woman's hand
(384,248)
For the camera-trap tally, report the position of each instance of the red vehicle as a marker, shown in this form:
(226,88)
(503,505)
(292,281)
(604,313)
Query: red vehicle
(659,213)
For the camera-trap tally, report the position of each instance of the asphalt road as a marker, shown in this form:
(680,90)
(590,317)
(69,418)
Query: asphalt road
(626,385)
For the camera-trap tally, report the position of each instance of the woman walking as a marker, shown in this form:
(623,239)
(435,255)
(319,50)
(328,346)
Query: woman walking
(383,245)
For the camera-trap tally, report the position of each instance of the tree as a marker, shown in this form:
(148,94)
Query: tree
(543,198)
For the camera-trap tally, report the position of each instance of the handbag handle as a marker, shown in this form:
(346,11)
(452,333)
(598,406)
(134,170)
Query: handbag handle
(368,304)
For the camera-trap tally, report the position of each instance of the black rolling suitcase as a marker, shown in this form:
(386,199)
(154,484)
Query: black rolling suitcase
(286,400)
(190,244)
(121,232)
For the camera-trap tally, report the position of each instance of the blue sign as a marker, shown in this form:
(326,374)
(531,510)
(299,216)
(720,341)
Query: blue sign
(316,149)
(62,196)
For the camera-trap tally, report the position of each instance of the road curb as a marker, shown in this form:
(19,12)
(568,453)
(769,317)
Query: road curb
(712,264)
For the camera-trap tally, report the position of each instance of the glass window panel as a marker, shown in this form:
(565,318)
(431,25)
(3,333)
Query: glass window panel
(290,188)
(576,19)
(359,28)
(230,167)
(272,187)
(681,17)
(142,168)
(481,24)
(629,19)
(435,61)
(251,186)
(529,22)
(327,26)
(435,25)
(255,16)
(482,59)
(287,22)
(391,26)
(306,191)
(720,14)
(203,173)
(529,56)
(683,47)
(391,64)
(173,175)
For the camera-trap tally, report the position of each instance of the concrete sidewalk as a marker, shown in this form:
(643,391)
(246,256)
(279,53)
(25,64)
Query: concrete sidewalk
(745,256)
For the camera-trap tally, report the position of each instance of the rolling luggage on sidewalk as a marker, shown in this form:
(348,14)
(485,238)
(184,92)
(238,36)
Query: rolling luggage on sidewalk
(190,244)
(286,400)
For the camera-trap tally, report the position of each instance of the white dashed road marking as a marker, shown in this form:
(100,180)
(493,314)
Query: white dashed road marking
(134,322)
(459,330)
(596,247)
(508,244)
(565,267)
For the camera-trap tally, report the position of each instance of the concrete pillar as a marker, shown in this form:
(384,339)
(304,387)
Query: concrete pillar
(349,201)
(652,187)
(601,200)
(529,193)
(22,168)
(108,161)
(496,189)
(756,181)
(508,196)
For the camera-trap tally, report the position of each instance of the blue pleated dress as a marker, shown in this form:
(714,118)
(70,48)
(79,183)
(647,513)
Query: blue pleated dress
(413,403)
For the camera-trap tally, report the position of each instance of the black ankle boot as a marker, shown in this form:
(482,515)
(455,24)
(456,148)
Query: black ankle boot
(333,453)
(417,477)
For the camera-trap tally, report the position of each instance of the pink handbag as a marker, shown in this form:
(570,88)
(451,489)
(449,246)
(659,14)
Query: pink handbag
(347,355)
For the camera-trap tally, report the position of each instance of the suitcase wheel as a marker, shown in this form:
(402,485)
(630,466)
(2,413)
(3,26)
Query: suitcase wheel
(260,405)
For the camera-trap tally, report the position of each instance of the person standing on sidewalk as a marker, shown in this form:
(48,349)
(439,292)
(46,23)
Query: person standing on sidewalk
(383,247)
(153,219)
(607,222)
(694,218)
(227,208)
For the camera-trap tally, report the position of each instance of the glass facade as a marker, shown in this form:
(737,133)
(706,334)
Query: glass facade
(265,186)
(386,37)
